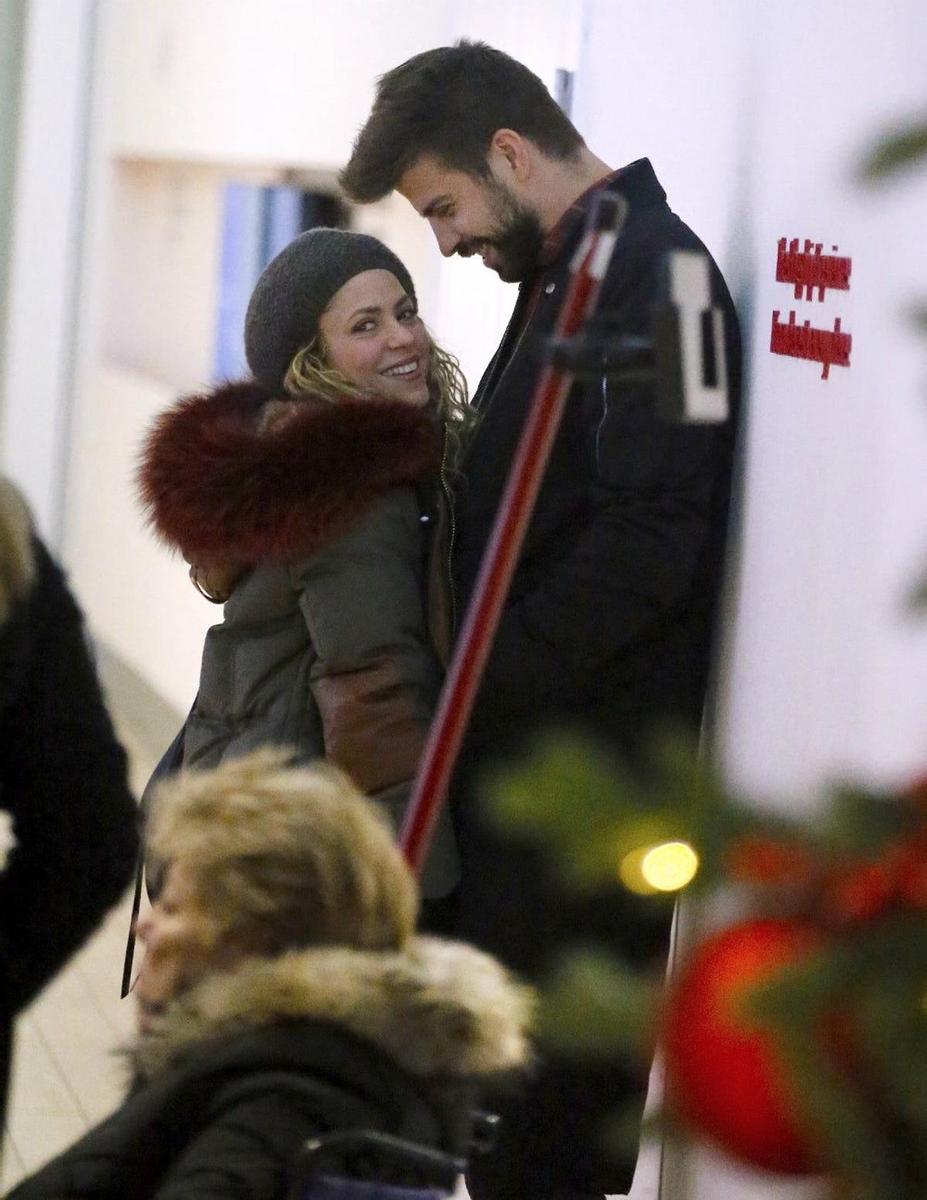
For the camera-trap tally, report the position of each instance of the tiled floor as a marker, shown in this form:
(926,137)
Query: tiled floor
(66,1074)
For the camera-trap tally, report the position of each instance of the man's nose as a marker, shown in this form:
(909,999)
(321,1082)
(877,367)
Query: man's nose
(447,239)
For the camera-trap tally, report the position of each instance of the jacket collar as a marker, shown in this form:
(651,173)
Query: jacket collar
(640,187)
(216,484)
(636,182)
(437,1008)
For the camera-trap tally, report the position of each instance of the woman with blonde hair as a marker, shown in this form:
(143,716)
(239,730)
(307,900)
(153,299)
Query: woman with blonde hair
(285,996)
(313,500)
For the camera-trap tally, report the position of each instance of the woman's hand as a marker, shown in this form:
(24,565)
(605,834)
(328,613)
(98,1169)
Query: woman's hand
(275,413)
(216,580)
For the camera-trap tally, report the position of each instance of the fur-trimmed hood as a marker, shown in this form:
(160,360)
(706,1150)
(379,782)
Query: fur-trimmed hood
(215,485)
(17,562)
(438,1009)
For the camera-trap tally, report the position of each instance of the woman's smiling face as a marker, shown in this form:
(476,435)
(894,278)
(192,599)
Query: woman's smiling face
(373,335)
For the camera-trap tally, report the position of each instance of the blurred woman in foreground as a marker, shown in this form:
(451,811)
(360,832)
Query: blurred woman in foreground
(284,994)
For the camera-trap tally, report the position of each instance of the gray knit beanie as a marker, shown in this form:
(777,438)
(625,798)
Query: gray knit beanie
(295,289)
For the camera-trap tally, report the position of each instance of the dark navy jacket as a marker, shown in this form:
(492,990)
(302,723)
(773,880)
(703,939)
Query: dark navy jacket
(610,615)
(608,630)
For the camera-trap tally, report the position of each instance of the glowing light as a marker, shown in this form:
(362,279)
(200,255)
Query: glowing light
(667,867)
(670,866)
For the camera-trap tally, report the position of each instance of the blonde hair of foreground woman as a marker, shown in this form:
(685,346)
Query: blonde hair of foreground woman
(285,857)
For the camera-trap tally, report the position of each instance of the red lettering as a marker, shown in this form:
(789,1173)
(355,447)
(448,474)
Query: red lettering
(826,346)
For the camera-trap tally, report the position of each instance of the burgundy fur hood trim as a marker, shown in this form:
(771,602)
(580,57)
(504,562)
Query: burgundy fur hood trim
(215,487)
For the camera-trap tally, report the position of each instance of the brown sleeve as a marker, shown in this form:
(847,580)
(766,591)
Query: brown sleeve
(375,724)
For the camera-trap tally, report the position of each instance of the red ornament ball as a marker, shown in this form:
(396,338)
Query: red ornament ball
(768,861)
(867,889)
(725,1078)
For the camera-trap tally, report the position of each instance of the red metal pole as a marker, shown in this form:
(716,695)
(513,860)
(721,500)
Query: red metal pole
(515,509)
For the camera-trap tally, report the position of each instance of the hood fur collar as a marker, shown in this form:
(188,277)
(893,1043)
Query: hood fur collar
(215,486)
(437,1009)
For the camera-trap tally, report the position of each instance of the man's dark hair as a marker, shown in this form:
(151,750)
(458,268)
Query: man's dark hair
(448,103)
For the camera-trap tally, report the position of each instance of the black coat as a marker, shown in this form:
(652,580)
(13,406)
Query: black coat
(231,1122)
(62,777)
(608,623)
(249,1066)
(607,630)
(608,626)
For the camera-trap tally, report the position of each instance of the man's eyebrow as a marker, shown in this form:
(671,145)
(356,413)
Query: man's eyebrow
(429,209)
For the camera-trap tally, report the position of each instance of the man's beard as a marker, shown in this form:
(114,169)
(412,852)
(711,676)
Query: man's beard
(516,238)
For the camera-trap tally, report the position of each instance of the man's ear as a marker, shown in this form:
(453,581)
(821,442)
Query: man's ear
(510,155)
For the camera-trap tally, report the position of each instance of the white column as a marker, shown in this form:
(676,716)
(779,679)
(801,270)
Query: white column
(46,221)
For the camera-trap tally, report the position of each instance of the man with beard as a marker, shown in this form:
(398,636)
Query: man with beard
(608,625)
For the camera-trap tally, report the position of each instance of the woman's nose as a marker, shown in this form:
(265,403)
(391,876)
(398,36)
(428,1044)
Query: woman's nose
(144,927)
(400,334)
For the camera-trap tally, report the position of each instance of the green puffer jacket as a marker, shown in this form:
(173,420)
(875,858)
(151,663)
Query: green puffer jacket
(326,644)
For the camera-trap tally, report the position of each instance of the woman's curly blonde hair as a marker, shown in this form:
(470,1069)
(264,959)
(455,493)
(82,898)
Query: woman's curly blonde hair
(310,372)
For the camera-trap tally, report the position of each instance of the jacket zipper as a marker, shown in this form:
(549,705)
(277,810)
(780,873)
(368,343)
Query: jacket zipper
(531,305)
(483,409)
(452,529)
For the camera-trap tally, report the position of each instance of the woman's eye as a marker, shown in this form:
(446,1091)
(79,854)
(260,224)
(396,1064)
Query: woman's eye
(408,314)
(363,326)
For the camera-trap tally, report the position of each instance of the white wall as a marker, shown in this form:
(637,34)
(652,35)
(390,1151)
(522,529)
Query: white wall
(755,132)
(135,592)
(472,306)
(754,119)
(827,671)
(280,81)
(161,289)
(677,89)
